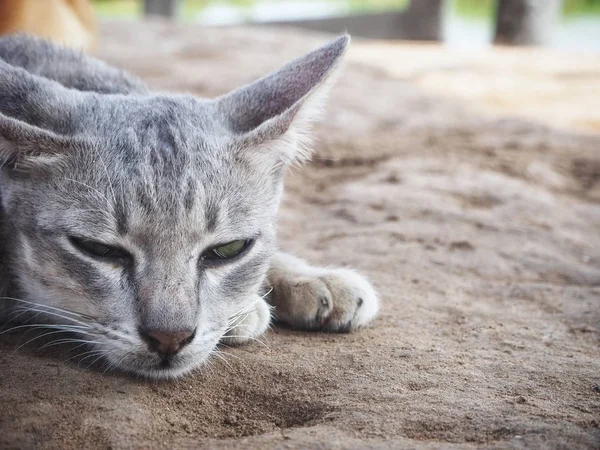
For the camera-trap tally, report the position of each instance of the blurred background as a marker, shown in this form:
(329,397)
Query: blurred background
(462,24)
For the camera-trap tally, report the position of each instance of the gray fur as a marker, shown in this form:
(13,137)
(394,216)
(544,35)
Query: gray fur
(87,151)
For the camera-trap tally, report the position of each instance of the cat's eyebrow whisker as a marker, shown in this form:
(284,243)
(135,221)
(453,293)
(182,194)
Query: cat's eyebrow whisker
(110,205)
(110,184)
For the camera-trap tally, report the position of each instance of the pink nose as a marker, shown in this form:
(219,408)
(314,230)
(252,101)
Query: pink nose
(167,343)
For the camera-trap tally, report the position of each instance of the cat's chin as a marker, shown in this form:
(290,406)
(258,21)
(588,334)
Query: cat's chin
(176,368)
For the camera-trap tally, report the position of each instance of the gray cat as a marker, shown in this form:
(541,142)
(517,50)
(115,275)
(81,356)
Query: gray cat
(145,223)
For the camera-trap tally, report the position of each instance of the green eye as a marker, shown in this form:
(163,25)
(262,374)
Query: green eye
(227,251)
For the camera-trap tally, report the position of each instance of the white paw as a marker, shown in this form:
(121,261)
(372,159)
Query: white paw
(249,325)
(336,300)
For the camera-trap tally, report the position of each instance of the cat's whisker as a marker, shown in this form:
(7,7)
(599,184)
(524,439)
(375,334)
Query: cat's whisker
(243,314)
(41,336)
(250,338)
(71,349)
(95,351)
(55,314)
(267,293)
(115,334)
(71,328)
(114,365)
(99,354)
(66,311)
(237,320)
(222,358)
(210,366)
(235,327)
(103,354)
(227,353)
(69,341)
(249,307)
(13,317)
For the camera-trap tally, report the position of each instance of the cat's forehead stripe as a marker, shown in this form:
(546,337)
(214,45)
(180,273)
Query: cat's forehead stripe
(121,217)
(211,216)
(190,195)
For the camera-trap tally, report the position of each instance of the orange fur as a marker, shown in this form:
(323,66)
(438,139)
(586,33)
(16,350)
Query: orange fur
(68,22)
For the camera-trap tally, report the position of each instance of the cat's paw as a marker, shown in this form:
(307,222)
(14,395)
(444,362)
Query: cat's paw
(335,300)
(248,325)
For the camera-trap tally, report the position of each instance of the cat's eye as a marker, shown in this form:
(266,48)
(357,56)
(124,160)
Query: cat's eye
(99,250)
(227,251)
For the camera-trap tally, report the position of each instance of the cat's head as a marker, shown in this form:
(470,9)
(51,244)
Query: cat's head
(150,215)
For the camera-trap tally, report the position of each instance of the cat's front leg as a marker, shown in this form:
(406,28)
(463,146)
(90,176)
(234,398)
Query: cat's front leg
(316,298)
(248,323)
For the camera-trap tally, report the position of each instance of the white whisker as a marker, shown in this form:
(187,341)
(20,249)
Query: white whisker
(55,314)
(69,341)
(250,338)
(41,336)
(65,311)
(71,328)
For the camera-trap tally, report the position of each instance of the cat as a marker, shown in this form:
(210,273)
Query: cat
(67,22)
(146,223)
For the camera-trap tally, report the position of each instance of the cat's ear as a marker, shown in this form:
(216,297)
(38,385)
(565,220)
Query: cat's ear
(24,147)
(273,115)
(34,115)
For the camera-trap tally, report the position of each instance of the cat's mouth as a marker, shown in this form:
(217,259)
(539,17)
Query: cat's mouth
(166,362)
(129,356)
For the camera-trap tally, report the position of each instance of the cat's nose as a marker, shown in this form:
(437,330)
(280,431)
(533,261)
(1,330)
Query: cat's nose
(167,343)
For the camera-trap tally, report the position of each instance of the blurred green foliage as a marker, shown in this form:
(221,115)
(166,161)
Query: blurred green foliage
(118,8)
(192,7)
(473,9)
(482,9)
(581,8)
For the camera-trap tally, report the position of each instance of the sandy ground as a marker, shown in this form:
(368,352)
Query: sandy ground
(559,88)
(480,232)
